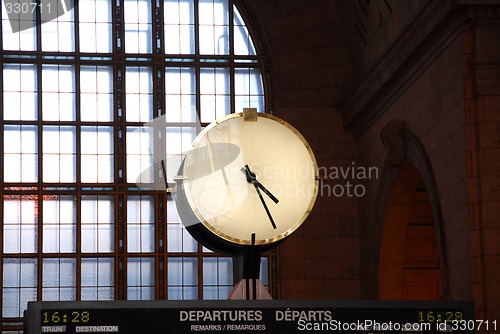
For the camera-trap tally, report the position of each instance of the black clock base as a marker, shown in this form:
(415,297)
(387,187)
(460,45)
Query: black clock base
(246,264)
(246,273)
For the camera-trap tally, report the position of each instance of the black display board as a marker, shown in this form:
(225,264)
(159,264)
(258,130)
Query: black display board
(252,316)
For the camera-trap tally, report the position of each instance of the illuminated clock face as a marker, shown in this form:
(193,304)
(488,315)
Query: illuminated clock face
(250,182)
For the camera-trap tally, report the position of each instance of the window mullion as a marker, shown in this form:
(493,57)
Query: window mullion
(39,199)
(119,32)
(76,16)
(39,212)
(120,159)
(157,32)
(199,283)
(38,20)
(197,55)
(158,73)
(78,162)
(39,122)
(160,221)
(196,30)
(78,128)
(121,278)
(160,199)
(231,30)
(232,98)
(78,249)
(119,120)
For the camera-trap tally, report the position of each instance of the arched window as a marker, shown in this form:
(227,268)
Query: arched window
(75,90)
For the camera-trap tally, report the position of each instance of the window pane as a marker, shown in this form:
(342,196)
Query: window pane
(220,292)
(19,285)
(178,238)
(179,139)
(140,278)
(215,93)
(180,90)
(59,154)
(178,142)
(243,44)
(97,154)
(20,227)
(182,278)
(217,271)
(59,279)
(139,94)
(97,279)
(20,153)
(59,224)
(140,155)
(95,26)
(58,93)
(179,26)
(19,31)
(264,271)
(214,27)
(96,98)
(217,278)
(138,37)
(140,224)
(58,34)
(97,224)
(249,89)
(20,87)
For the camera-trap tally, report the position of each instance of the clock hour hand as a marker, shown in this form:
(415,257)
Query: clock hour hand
(265,206)
(251,179)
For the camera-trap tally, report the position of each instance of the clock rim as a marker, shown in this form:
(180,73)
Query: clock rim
(261,242)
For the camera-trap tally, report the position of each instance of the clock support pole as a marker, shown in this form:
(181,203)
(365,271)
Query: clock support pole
(246,273)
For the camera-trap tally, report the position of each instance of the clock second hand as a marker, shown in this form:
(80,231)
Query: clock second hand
(252,179)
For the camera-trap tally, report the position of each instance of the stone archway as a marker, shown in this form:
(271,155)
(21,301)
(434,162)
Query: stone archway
(407,171)
(409,261)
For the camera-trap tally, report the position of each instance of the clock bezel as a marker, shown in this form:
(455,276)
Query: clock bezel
(228,238)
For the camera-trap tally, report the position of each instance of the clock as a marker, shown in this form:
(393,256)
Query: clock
(247,180)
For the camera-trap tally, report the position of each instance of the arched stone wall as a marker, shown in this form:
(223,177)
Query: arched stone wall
(403,147)
(408,266)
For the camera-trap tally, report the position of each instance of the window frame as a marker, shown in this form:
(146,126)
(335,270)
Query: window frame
(119,189)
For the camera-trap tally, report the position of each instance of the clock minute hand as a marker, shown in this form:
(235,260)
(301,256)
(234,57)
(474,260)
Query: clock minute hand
(265,206)
(267,192)
(251,179)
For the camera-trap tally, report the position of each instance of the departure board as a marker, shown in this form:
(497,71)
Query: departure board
(251,316)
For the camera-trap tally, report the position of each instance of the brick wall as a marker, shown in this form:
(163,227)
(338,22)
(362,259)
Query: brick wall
(433,109)
(482,91)
(321,259)
(453,107)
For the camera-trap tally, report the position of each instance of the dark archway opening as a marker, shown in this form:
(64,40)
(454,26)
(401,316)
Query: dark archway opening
(409,253)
